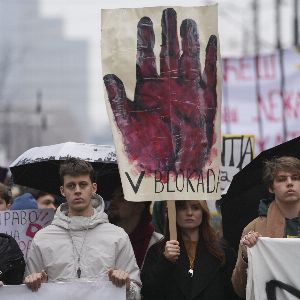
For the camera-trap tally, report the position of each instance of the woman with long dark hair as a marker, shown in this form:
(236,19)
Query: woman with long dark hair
(198,266)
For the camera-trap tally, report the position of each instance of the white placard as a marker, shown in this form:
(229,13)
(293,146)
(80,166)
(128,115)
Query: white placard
(22,225)
(237,152)
(165,115)
(273,259)
(240,108)
(97,290)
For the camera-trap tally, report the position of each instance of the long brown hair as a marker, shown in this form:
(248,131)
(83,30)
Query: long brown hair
(207,234)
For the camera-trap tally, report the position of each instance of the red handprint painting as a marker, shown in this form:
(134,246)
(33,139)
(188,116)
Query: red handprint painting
(166,133)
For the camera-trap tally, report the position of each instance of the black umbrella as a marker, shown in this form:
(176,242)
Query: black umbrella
(240,204)
(38,167)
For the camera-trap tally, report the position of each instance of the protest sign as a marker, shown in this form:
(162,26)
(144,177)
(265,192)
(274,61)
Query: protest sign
(103,290)
(273,269)
(166,124)
(278,110)
(22,225)
(237,152)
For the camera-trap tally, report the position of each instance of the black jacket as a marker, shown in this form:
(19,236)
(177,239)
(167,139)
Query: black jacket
(12,263)
(163,280)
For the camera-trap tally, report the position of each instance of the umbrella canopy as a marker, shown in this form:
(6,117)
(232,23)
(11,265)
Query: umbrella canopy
(240,204)
(39,167)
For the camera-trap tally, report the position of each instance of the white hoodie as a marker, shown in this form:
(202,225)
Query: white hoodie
(104,246)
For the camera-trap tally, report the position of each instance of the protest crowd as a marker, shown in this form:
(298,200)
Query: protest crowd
(92,222)
(83,242)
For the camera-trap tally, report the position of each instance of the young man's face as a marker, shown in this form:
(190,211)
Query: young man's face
(286,187)
(78,191)
(46,201)
(3,205)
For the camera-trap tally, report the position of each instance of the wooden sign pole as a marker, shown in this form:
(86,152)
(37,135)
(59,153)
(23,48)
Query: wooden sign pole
(172,219)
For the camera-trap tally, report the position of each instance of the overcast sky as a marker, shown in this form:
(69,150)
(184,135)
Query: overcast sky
(82,20)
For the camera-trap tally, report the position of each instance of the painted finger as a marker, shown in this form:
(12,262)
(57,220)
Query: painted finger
(189,64)
(209,83)
(145,59)
(210,68)
(169,52)
(119,103)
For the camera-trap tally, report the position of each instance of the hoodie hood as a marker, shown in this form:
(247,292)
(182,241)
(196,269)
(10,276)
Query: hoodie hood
(74,223)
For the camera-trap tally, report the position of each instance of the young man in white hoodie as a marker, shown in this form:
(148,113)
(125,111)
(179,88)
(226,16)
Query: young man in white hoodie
(81,244)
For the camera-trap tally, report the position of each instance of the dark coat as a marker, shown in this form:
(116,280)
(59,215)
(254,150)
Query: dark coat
(12,263)
(163,280)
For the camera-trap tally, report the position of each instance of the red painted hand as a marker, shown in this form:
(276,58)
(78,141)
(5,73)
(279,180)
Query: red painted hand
(170,123)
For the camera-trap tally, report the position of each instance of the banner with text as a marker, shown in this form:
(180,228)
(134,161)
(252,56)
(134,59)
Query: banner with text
(253,106)
(237,152)
(65,291)
(164,100)
(22,225)
(273,271)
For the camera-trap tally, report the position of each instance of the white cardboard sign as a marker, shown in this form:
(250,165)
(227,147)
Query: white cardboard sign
(22,225)
(103,290)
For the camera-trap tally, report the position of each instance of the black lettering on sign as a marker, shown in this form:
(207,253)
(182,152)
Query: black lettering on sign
(182,184)
(136,186)
(188,182)
(6,217)
(210,172)
(247,150)
(15,218)
(183,181)
(168,183)
(224,176)
(200,182)
(244,143)
(158,180)
(273,284)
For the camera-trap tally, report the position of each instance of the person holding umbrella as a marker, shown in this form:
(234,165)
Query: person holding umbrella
(81,244)
(278,218)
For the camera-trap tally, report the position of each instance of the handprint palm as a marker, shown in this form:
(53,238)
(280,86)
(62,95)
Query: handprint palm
(170,124)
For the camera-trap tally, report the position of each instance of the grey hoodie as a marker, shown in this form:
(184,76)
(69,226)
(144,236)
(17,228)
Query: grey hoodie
(99,244)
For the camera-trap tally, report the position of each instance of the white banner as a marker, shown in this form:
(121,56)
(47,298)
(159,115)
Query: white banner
(22,225)
(97,290)
(240,110)
(274,263)
(237,152)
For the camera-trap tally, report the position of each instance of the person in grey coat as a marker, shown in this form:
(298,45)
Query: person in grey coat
(81,244)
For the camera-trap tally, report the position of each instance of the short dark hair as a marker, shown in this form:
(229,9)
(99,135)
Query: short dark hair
(76,167)
(5,193)
(42,194)
(273,166)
